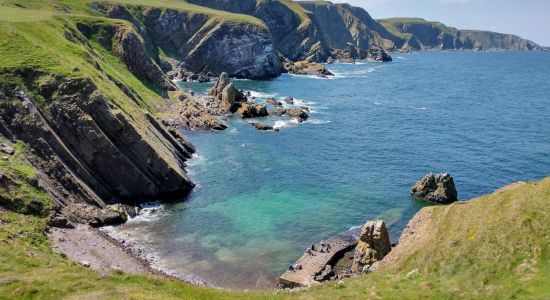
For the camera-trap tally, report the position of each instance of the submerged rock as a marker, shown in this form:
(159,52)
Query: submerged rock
(438,188)
(374,244)
(277,112)
(273,102)
(262,127)
(289,100)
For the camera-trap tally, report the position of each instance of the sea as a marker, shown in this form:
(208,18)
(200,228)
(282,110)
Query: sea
(374,130)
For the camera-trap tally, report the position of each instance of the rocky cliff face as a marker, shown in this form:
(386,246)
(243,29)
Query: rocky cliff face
(419,34)
(342,25)
(309,30)
(90,152)
(204,43)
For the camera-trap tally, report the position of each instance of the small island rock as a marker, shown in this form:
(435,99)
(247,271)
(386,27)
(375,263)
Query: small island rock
(297,113)
(438,188)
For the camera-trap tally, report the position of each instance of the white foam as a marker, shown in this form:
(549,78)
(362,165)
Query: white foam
(280,124)
(257,94)
(196,159)
(314,76)
(318,122)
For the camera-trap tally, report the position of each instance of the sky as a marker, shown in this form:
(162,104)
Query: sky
(529,19)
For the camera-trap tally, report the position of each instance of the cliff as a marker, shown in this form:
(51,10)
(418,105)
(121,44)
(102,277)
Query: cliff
(90,97)
(311,30)
(204,41)
(419,34)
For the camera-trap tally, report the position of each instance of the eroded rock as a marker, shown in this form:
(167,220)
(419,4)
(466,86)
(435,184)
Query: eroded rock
(374,244)
(250,110)
(438,188)
(297,113)
(307,68)
(263,127)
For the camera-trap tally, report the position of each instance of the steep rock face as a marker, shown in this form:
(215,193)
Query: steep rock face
(374,244)
(309,30)
(212,45)
(92,152)
(204,43)
(342,25)
(295,36)
(419,34)
(485,40)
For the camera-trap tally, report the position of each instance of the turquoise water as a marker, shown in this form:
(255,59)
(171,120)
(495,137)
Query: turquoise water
(375,129)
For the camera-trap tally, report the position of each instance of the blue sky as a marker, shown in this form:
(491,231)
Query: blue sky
(527,18)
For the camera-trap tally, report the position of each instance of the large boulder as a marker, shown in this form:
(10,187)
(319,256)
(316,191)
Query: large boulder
(297,113)
(438,188)
(374,244)
(250,110)
(307,68)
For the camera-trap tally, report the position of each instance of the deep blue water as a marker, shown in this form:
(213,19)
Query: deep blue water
(375,129)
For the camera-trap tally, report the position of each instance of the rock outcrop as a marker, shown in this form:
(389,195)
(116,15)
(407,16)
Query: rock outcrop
(307,68)
(247,110)
(262,127)
(353,53)
(438,188)
(89,151)
(297,113)
(185,111)
(374,244)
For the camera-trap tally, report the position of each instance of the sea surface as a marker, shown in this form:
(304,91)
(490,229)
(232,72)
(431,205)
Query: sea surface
(374,130)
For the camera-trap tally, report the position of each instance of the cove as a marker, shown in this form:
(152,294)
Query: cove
(374,129)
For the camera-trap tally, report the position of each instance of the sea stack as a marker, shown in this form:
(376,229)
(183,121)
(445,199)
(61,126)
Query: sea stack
(438,188)
(374,244)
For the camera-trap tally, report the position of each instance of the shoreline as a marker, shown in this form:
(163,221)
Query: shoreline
(101,251)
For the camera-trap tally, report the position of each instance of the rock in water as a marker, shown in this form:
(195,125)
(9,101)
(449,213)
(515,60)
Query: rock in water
(297,113)
(438,188)
(273,102)
(307,68)
(250,110)
(374,244)
(262,127)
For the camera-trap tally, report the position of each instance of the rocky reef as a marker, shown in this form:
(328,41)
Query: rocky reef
(438,188)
